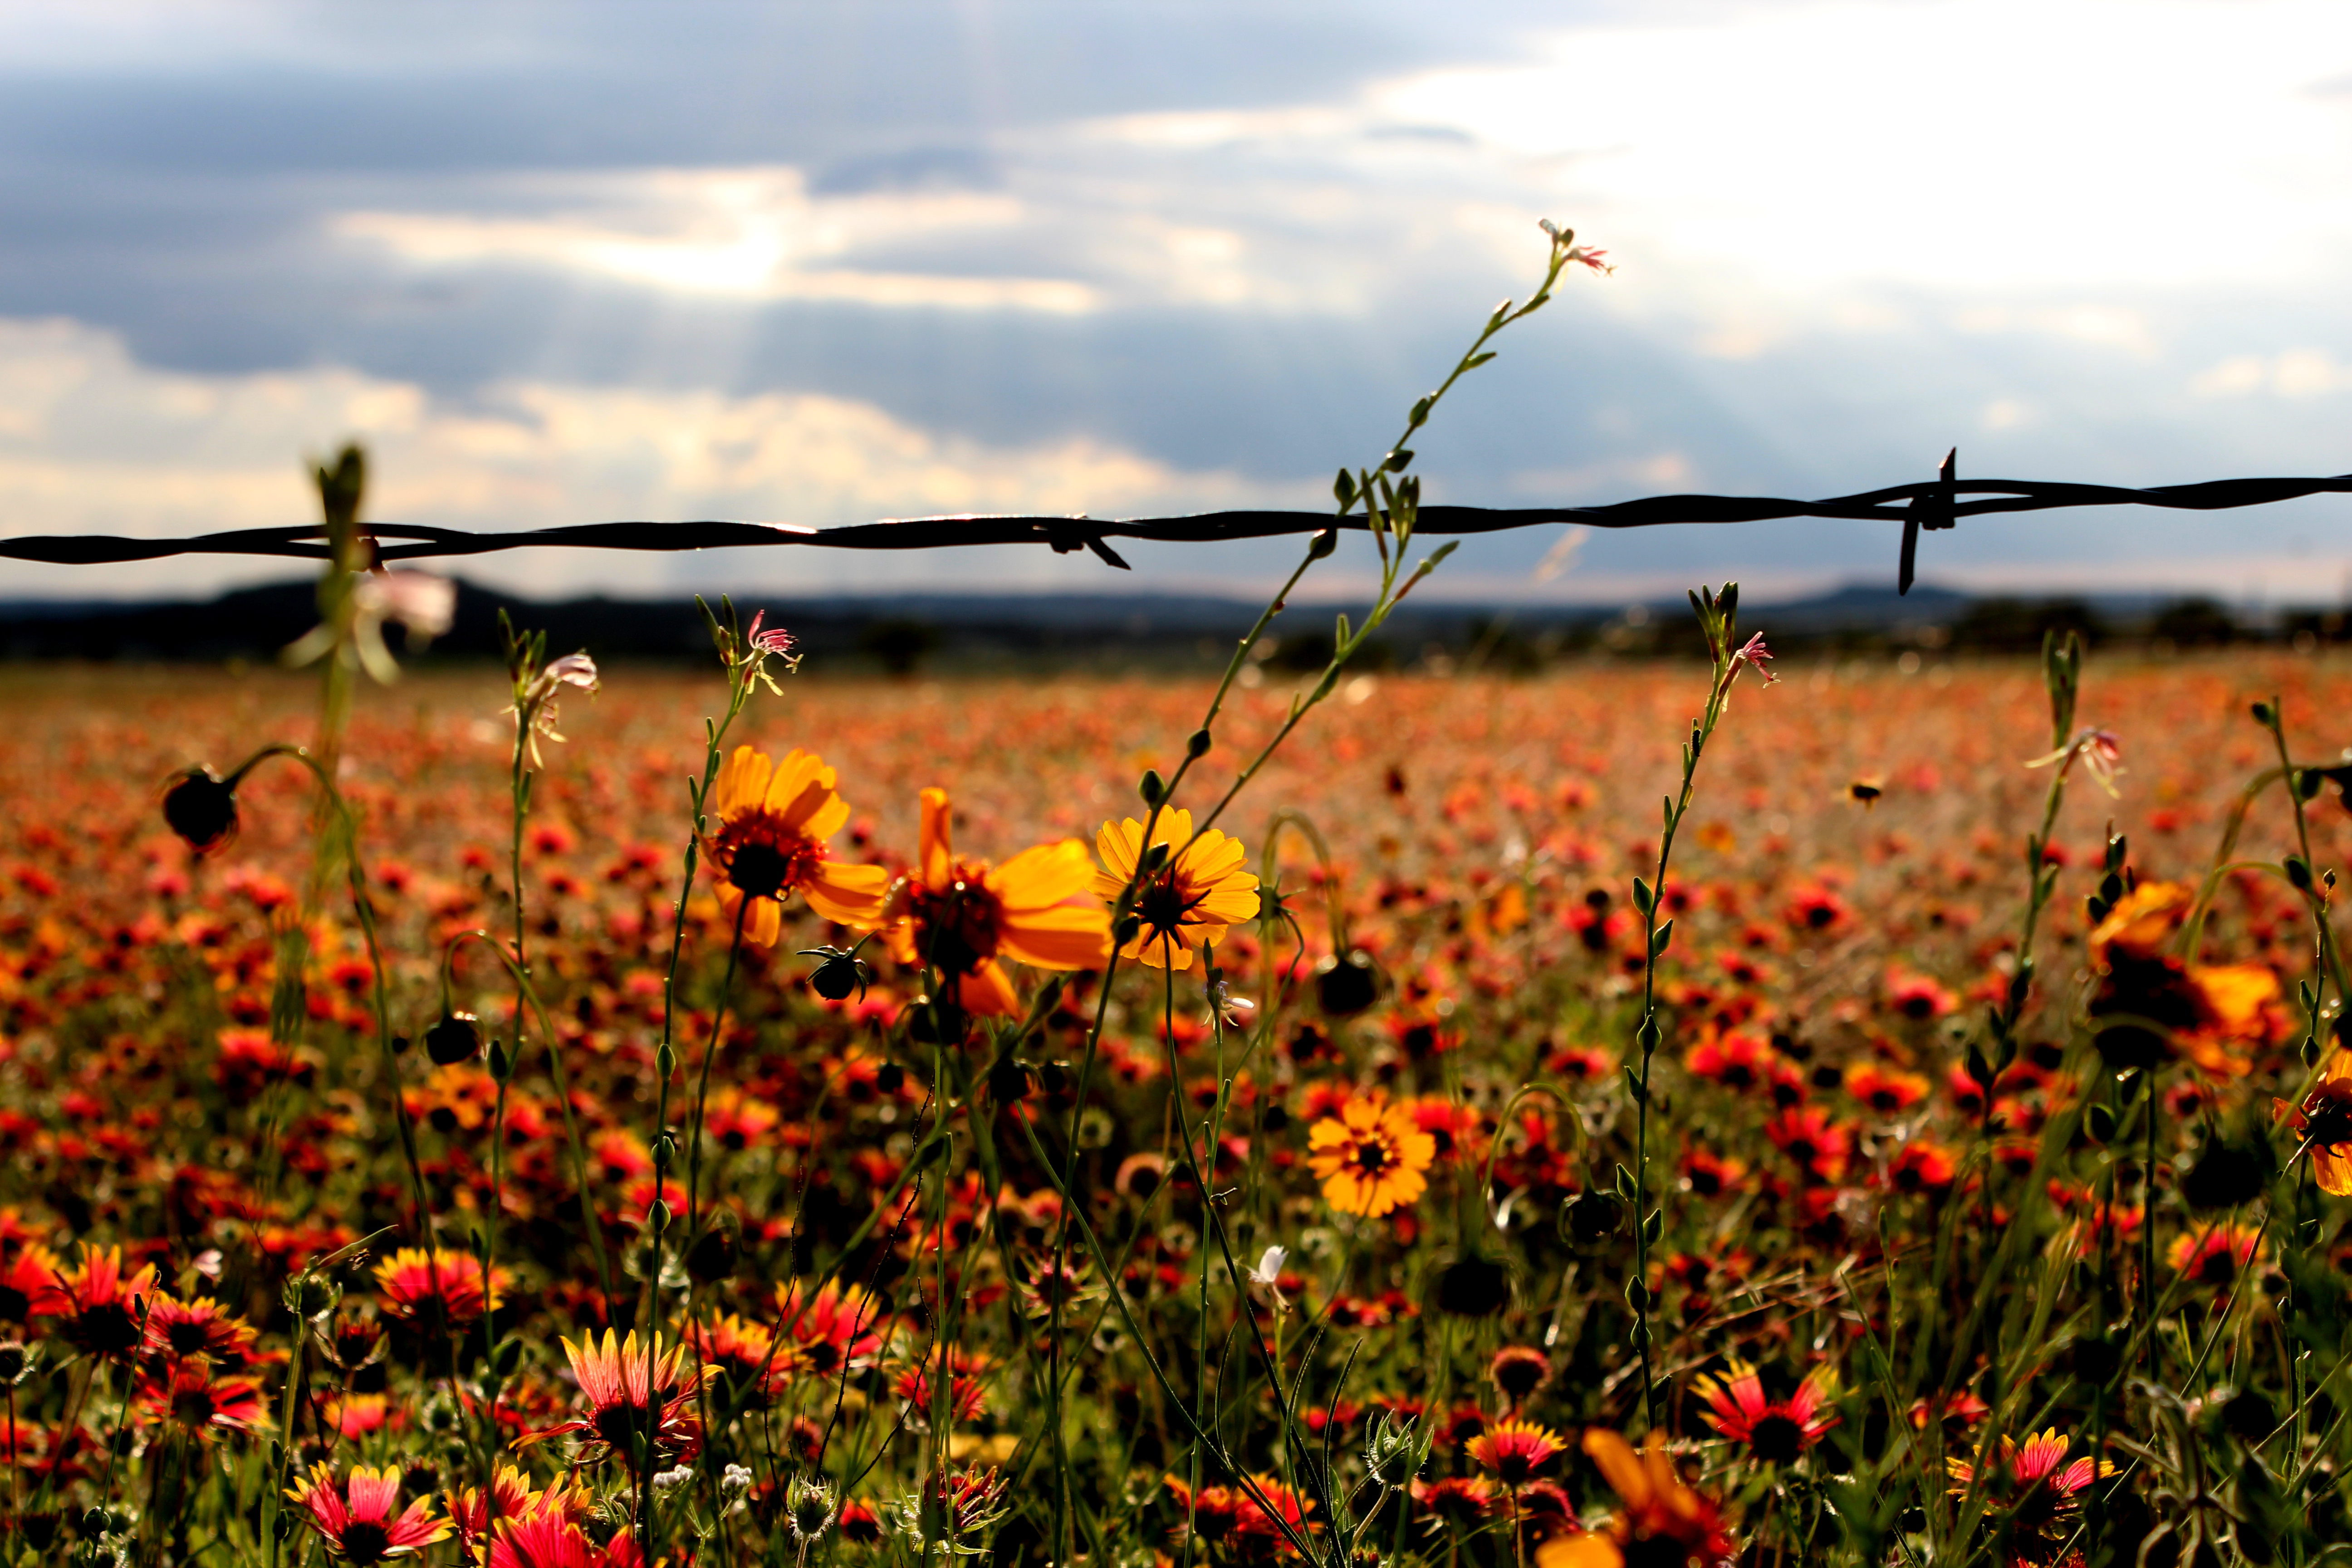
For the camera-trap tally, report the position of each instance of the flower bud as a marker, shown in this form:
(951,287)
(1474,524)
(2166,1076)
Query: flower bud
(837,974)
(1346,986)
(1390,1455)
(808,1504)
(15,1361)
(201,807)
(1474,1287)
(1151,789)
(453,1040)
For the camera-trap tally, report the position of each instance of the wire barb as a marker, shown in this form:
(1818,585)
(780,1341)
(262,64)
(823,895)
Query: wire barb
(1934,504)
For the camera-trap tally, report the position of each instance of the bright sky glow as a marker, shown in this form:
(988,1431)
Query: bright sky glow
(832,264)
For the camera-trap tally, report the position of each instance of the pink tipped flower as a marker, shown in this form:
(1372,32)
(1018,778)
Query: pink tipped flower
(356,1520)
(425,605)
(776,640)
(534,704)
(1775,1430)
(2100,752)
(1753,655)
(1577,253)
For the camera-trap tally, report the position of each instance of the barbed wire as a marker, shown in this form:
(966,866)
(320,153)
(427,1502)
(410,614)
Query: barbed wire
(1937,504)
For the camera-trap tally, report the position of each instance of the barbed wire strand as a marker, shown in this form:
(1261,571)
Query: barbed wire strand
(1937,504)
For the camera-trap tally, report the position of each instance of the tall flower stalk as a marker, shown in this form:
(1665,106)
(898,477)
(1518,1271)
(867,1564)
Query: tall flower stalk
(1718,616)
(743,653)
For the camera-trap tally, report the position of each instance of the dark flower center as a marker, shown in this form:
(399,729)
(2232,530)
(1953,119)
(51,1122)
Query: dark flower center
(184,1336)
(104,1328)
(1372,1158)
(758,869)
(1777,1439)
(366,1540)
(1163,905)
(619,1426)
(957,928)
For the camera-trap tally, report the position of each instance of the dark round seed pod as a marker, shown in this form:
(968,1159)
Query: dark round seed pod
(1346,986)
(455,1038)
(1474,1287)
(201,807)
(1008,1082)
(1592,1217)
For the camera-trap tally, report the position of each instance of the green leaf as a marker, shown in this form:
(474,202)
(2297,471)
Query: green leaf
(1655,1225)
(1474,361)
(1634,1083)
(1642,898)
(1661,938)
(1624,1183)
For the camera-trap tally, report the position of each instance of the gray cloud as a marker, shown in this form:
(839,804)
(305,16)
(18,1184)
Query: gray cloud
(1215,248)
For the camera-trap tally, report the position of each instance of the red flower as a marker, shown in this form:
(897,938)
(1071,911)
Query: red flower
(840,1326)
(356,1520)
(1710,1175)
(2036,1486)
(97,1306)
(1807,1135)
(1918,998)
(1457,1500)
(621,1382)
(25,1281)
(1515,1450)
(436,1291)
(1921,1167)
(1775,1430)
(1887,1091)
(1735,1060)
(181,1329)
(1817,909)
(203,1405)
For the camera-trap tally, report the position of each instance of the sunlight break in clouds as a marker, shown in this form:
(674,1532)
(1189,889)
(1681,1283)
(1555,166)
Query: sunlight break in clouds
(749,234)
(1970,146)
(90,441)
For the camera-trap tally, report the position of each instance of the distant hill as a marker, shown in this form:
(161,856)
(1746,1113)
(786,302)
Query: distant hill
(905,632)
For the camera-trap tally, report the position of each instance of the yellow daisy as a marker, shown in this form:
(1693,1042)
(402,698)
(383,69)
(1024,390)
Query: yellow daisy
(1370,1157)
(773,820)
(1189,903)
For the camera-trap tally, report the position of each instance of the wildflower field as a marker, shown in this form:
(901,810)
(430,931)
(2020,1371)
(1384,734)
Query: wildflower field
(1653,1114)
(1317,1192)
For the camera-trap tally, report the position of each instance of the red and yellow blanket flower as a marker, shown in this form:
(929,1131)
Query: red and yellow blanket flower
(356,1520)
(962,917)
(1189,901)
(773,820)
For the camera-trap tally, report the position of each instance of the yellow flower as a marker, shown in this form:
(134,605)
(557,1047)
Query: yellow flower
(1370,1157)
(962,916)
(1189,903)
(773,820)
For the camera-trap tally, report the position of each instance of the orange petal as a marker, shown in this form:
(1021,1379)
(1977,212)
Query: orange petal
(848,894)
(937,853)
(986,993)
(742,782)
(1039,877)
(1066,936)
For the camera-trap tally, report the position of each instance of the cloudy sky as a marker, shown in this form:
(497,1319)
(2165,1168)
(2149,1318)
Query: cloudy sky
(826,263)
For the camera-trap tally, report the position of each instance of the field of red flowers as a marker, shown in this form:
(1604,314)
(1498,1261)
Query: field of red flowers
(1413,1175)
